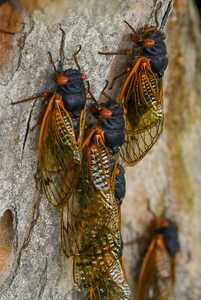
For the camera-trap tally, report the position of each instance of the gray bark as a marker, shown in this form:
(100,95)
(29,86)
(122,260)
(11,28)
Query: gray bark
(168,178)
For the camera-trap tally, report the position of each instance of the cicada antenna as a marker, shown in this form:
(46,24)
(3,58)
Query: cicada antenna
(131,27)
(117,77)
(75,57)
(61,50)
(103,90)
(28,128)
(52,61)
(150,210)
(166,15)
(91,94)
(41,95)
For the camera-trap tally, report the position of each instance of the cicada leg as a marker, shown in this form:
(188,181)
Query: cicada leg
(35,98)
(120,52)
(75,57)
(117,77)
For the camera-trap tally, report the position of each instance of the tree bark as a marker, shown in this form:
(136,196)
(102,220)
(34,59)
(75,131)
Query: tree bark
(166,181)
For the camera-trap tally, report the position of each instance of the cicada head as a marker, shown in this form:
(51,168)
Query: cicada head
(70,86)
(149,42)
(168,229)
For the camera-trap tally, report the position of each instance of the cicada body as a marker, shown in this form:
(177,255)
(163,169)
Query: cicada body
(61,134)
(62,125)
(141,93)
(97,263)
(157,273)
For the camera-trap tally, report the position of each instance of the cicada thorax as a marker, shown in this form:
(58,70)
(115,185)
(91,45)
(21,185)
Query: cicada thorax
(157,273)
(112,122)
(72,91)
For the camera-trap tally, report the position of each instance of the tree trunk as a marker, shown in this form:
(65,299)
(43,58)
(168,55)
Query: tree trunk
(166,181)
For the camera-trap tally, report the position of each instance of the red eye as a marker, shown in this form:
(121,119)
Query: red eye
(149,43)
(105,113)
(163,223)
(83,76)
(61,79)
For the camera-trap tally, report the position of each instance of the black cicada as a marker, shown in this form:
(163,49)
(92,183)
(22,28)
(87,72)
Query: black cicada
(61,131)
(141,93)
(157,272)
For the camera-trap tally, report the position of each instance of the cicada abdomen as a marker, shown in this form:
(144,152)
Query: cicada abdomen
(97,262)
(157,273)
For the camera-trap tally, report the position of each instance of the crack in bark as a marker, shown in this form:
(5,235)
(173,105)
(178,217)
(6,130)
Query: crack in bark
(22,40)
(43,280)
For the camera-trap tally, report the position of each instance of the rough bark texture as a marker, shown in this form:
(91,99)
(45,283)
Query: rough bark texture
(167,180)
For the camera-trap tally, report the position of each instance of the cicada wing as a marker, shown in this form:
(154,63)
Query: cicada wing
(165,270)
(59,156)
(101,282)
(69,217)
(97,266)
(155,277)
(142,99)
(139,142)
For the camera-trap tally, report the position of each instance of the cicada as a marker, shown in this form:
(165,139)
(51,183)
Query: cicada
(61,131)
(157,273)
(98,244)
(141,93)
